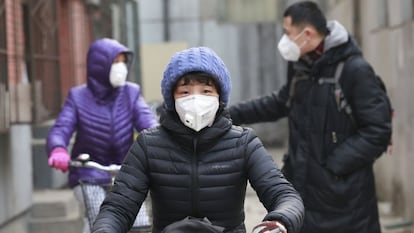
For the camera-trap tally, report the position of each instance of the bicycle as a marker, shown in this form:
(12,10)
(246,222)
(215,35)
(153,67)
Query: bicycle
(94,191)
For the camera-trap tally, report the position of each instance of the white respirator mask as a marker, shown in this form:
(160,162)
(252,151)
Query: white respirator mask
(289,50)
(197,111)
(118,74)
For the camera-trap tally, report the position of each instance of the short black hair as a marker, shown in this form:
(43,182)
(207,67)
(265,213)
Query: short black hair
(307,12)
(201,77)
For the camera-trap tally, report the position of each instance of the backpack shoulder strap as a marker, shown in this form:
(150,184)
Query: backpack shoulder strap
(341,102)
(338,71)
(339,94)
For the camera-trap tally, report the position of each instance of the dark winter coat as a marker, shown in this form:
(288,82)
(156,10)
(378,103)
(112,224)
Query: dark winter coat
(201,175)
(330,159)
(103,117)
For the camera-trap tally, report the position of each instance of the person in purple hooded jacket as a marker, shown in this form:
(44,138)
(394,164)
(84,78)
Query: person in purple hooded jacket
(104,113)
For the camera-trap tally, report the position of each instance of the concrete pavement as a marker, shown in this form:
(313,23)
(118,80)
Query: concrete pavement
(55,211)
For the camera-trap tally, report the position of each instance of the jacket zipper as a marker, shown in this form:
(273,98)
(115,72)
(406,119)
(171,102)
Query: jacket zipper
(194,178)
(112,125)
(334,137)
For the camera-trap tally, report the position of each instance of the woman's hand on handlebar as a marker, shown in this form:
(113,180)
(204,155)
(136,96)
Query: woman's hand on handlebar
(59,159)
(270,227)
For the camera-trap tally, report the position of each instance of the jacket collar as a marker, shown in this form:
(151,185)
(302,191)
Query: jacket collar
(189,139)
(338,35)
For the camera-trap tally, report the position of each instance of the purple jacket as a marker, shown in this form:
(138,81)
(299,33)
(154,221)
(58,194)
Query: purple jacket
(103,117)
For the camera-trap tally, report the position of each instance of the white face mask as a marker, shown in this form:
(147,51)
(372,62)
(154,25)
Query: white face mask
(118,74)
(197,111)
(289,50)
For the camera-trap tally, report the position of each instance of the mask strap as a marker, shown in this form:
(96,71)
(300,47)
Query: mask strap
(300,34)
(303,43)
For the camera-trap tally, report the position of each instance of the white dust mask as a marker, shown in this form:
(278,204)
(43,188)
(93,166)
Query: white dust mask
(118,74)
(197,111)
(289,50)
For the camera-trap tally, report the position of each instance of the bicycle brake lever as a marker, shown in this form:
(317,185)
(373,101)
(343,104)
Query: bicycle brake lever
(83,157)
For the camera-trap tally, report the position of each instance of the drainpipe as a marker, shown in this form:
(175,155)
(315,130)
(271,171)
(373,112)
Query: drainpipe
(357,22)
(166,19)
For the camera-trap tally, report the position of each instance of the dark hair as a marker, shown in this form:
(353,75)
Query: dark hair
(307,12)
(200,77)
(128,57)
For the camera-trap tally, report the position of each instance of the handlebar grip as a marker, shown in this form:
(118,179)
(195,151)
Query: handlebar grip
(95,165)
(75,163)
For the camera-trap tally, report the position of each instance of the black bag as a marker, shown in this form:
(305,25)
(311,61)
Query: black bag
(192,225)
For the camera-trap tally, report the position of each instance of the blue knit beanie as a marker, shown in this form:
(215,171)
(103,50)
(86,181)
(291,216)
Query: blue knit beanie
(198,59)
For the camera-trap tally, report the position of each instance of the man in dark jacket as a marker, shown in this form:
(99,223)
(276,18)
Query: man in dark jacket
(196,163)
(336,134)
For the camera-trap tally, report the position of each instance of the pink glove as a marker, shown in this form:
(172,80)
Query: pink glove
(270,227)
(59,159)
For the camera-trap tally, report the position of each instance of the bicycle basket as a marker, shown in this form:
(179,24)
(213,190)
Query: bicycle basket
(94,191)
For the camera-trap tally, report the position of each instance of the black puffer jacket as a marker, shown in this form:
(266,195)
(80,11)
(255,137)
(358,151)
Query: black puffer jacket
(330,159)
(198,174)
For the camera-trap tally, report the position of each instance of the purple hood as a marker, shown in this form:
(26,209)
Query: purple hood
(99,61)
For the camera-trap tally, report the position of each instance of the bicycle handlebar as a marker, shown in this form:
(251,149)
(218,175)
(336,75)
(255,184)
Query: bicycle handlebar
(83,161)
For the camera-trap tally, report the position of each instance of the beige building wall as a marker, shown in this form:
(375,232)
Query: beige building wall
(386,30)
(154,58)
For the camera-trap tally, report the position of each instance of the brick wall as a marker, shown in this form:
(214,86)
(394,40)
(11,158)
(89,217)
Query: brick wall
(74,37)
(65,48)
(81,39)
(15,40)
(20,99)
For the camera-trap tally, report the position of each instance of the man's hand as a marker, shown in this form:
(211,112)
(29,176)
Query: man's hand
(270,227)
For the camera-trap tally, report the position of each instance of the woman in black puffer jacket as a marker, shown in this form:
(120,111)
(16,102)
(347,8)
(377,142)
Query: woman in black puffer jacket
(195,166)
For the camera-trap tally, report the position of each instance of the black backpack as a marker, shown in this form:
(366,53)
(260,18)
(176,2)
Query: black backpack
(193,225)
